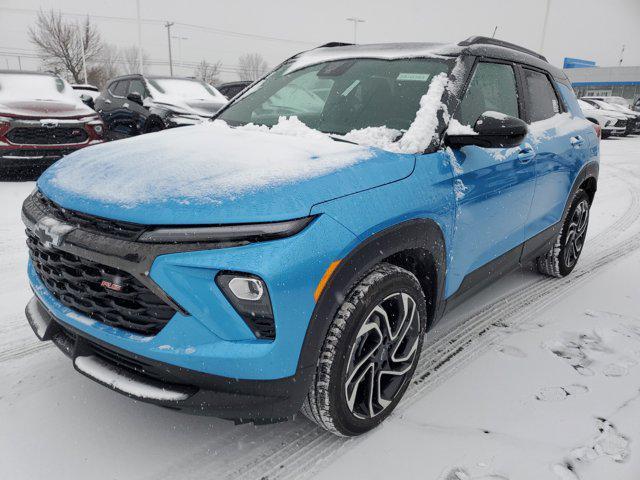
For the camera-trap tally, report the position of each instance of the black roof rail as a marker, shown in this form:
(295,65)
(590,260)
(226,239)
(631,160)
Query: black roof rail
(335,44)
(479,40)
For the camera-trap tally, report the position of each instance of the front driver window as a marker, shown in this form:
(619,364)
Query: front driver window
(493,87)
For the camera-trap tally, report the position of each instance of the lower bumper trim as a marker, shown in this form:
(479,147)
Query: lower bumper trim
(167,385)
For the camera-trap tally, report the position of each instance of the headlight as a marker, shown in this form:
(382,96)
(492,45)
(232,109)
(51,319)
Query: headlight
(227,233)
(98,129)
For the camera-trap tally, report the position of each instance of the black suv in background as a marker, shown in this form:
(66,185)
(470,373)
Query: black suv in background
(231,89)
(136,104)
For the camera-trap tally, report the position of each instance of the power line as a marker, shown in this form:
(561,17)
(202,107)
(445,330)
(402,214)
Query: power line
(214,30)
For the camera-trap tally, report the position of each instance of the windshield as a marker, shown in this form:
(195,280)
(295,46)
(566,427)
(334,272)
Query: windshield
(20,86)
(340,96)
(185,88)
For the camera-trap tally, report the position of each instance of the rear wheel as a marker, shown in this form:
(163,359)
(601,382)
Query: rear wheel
(369,354)
(564,255)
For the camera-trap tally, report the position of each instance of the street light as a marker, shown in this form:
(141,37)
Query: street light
(355,21)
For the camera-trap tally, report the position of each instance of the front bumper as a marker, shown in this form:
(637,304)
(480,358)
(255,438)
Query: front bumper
(167,385)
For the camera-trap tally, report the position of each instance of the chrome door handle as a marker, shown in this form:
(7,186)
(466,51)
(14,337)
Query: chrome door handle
(125,105)
(106,100)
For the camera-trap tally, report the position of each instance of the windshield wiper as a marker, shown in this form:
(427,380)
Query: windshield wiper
(341,139)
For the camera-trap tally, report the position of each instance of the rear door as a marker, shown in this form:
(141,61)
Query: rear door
(562,142)
(493,186)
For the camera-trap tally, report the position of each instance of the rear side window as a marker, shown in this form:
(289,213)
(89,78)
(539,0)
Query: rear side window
(542,102)
(493,87)
(121,88)
(136,86)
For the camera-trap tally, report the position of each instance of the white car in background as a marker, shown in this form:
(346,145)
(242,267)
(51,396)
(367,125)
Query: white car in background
(633,118)
(610,99)
(611,122)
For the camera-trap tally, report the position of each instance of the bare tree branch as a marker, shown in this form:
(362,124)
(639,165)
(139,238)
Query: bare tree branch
(252,66)
(131,59)
(60,43)
(208,72)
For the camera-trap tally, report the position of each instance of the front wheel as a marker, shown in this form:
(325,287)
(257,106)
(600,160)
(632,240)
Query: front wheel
(564,255)
(370,353)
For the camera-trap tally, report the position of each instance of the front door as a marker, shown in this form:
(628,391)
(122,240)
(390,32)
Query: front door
(493,186)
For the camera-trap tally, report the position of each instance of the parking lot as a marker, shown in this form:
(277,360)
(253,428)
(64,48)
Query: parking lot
(530,376)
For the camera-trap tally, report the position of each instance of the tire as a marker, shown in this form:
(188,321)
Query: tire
(563,256)
(153,126)
(360,345)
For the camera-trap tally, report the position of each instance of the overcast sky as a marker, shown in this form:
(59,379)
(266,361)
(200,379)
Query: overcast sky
(590,29)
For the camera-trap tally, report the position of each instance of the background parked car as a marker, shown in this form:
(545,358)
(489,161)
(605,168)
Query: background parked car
(231,89)
(136,104)
(41,119)
(611,99)
(633,118)
(611,123)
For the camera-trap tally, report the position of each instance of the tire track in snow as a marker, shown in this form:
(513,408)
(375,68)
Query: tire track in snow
(473,336)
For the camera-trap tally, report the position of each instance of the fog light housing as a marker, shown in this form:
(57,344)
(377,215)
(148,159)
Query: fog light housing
(98,129)
(249,296)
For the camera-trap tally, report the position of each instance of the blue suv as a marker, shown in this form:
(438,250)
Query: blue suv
(291,254)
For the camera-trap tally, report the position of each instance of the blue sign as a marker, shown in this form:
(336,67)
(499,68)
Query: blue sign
(577,63)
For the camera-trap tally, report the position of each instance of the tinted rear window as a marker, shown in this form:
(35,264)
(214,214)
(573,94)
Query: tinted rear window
(542,102)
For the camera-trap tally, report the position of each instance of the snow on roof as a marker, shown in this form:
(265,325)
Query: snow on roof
(383,51)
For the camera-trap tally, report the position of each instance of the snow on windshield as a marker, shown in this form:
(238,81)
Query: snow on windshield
(202,164)
(184,88)
(24,87)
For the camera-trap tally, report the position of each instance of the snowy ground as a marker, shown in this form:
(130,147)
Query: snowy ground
(534,378)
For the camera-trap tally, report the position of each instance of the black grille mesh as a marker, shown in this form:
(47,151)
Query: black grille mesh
(76,283)
(47,136)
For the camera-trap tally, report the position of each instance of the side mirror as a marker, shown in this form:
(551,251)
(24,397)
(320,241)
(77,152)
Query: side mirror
(87,100)
(135,97)
(492,130)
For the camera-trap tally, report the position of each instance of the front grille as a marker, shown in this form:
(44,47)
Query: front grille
(621,123)
(89,223)
(76,283)
(47,136)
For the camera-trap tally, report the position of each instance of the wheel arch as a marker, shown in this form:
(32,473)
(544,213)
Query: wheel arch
(417,245)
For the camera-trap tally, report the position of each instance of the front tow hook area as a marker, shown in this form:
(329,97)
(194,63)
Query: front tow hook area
(86,361)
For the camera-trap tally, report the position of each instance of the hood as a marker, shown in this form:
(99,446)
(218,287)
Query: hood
(206,108)
(214,174)
(45,108)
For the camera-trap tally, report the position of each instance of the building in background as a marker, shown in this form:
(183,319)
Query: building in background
(605,81)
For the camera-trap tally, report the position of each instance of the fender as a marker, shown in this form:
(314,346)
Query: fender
(419,234)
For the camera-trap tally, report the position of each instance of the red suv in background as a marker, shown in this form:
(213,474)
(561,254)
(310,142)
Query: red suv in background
(41,120)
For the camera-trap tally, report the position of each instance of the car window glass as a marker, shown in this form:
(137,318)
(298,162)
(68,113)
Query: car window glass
(121,88)
(492,88)
(136,86)
(542,102)
(306,94)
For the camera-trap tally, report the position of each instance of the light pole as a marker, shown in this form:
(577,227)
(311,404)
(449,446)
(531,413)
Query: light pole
(168,26)
(544,27)
(180,39)
(84,58)
(355,21)
(140,64)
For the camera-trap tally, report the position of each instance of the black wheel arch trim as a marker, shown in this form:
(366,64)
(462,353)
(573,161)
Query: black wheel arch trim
(424,234)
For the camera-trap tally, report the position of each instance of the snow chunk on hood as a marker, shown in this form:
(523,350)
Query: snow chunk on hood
(201,164)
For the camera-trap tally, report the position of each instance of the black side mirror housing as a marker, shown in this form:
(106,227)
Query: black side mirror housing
(135,97)
(87,100)
(492,130)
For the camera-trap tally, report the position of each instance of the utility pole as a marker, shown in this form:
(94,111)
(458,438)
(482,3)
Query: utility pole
(141,65)
(84,59)
(169,25)
(544,27)
(494,32)
(19,62)
(621,54)
(355,21)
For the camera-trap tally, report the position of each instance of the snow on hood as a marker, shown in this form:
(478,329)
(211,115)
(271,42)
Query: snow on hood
(212,174)
(204,108)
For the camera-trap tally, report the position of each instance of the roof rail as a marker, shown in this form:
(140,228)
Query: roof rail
(335,44)
(479,40)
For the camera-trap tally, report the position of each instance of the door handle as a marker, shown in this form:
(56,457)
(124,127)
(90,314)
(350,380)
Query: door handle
(106,100)
(125,105)
(577,141)
(526,154)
